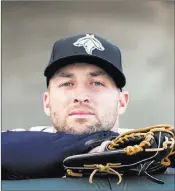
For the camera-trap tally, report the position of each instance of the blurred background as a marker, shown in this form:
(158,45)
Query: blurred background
(143,30)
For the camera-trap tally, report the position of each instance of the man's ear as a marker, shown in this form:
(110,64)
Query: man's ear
(46,103)
(123,102)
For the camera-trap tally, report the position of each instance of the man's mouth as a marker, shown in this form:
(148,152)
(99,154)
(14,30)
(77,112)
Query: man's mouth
(81,114)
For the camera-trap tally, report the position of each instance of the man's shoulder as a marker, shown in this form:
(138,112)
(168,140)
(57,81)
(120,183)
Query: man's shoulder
(48,129)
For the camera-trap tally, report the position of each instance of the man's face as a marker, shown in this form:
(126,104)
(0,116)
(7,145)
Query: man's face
(82,98)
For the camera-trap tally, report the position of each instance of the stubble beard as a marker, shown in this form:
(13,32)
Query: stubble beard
(93,128)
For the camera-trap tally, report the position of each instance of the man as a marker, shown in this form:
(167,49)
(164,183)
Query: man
(84,100)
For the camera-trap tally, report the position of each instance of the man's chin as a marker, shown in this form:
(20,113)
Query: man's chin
(82,130)
(82,127)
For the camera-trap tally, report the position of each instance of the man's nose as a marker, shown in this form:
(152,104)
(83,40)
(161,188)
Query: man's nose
(83,98)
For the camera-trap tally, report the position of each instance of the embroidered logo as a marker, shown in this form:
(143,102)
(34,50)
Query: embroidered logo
(90,43)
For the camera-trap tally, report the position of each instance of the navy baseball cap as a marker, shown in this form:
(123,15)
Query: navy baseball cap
(86,48)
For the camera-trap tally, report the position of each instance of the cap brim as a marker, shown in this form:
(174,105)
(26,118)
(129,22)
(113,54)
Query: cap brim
(114,72)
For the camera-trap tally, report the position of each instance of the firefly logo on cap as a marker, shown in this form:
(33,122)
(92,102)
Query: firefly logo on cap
(90,43)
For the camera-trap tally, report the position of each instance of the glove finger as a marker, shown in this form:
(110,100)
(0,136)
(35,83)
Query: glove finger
(100,148)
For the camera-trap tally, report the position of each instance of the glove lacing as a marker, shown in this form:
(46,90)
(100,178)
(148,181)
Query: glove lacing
(104,168)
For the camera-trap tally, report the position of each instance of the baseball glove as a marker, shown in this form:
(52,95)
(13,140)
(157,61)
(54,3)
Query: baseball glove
(143,151)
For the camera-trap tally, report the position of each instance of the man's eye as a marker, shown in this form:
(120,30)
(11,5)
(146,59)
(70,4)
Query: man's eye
(97,84)
(67,84)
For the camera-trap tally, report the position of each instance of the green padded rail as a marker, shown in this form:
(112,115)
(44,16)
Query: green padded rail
(82,184)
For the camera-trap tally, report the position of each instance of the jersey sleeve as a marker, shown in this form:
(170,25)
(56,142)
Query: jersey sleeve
(27,154)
